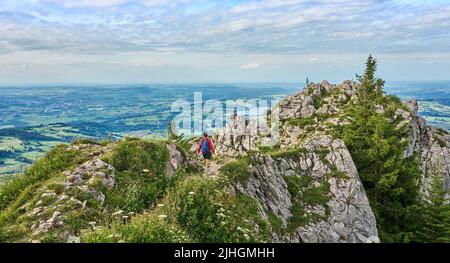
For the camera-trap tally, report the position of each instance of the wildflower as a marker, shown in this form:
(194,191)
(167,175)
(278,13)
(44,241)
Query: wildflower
(247,237)
(221,215)
(160,205)
(223,223)
(162,216)
(191,193)
(146,170)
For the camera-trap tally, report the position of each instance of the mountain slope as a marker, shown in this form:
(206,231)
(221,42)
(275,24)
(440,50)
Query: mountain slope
(306,188)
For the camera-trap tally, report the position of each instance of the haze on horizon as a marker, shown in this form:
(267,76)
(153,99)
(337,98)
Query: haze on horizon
(140,41)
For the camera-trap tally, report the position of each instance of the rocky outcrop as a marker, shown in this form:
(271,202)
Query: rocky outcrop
(88,176)
(175,159)
(57,200)
(342,212)
(305,103)
(432,147)
(238,137)
(346,215)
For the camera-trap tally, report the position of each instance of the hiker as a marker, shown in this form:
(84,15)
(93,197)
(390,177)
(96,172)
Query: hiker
(206,146)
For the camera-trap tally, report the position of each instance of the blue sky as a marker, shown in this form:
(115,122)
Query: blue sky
(140,41)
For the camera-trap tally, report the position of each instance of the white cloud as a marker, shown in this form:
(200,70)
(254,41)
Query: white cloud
(250,66)
(106,30)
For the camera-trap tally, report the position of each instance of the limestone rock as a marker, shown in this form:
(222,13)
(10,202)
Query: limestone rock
(175,159)
(431,146)
(349,217)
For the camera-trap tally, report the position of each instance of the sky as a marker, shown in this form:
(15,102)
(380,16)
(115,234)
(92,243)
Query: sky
(171,41)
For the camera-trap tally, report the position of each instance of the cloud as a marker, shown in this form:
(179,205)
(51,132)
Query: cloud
(266,26)
(107,31)
(250,66)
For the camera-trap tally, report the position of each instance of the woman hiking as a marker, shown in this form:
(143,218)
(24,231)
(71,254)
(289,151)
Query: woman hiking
(206,146)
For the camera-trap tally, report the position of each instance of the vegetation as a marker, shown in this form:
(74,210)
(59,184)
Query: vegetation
(195,210)
(376,145)
(136,155)
(145,205)
(303,193)
(436,215)
(237,171)
(318,101)
(56,161)
(141,174)
(302,122)
(141,229)
(293,153)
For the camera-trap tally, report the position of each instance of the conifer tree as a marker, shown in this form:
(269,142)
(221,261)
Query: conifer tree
(377,149)
(371,87)
(436,224)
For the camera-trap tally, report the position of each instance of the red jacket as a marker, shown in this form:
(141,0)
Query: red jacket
(210,145)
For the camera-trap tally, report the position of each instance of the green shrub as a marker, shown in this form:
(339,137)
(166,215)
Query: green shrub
(237,171)
(275,222)
(103,235)
(76,221)
(208,213)
(135,192)
(268,149)
(296,184)
(302,122)
(336,173)
(149,228)
(152,229)
(317,195)
(304,193)
(293,153)
(298,218)
(141,174)
(136,155)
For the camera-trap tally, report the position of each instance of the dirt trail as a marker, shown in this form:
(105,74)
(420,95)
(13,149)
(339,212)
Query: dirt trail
(213,170)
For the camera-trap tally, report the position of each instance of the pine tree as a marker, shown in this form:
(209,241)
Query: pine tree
(377,149)
(371,88)
(436,210)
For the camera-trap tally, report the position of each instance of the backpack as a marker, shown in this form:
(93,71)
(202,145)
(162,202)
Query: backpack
(205,147)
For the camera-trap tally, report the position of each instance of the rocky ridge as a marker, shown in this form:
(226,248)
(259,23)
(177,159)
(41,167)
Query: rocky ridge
(305,183)
(308,119)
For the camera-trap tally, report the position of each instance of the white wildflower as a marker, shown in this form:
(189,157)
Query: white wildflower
(162,216)
(191,193)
